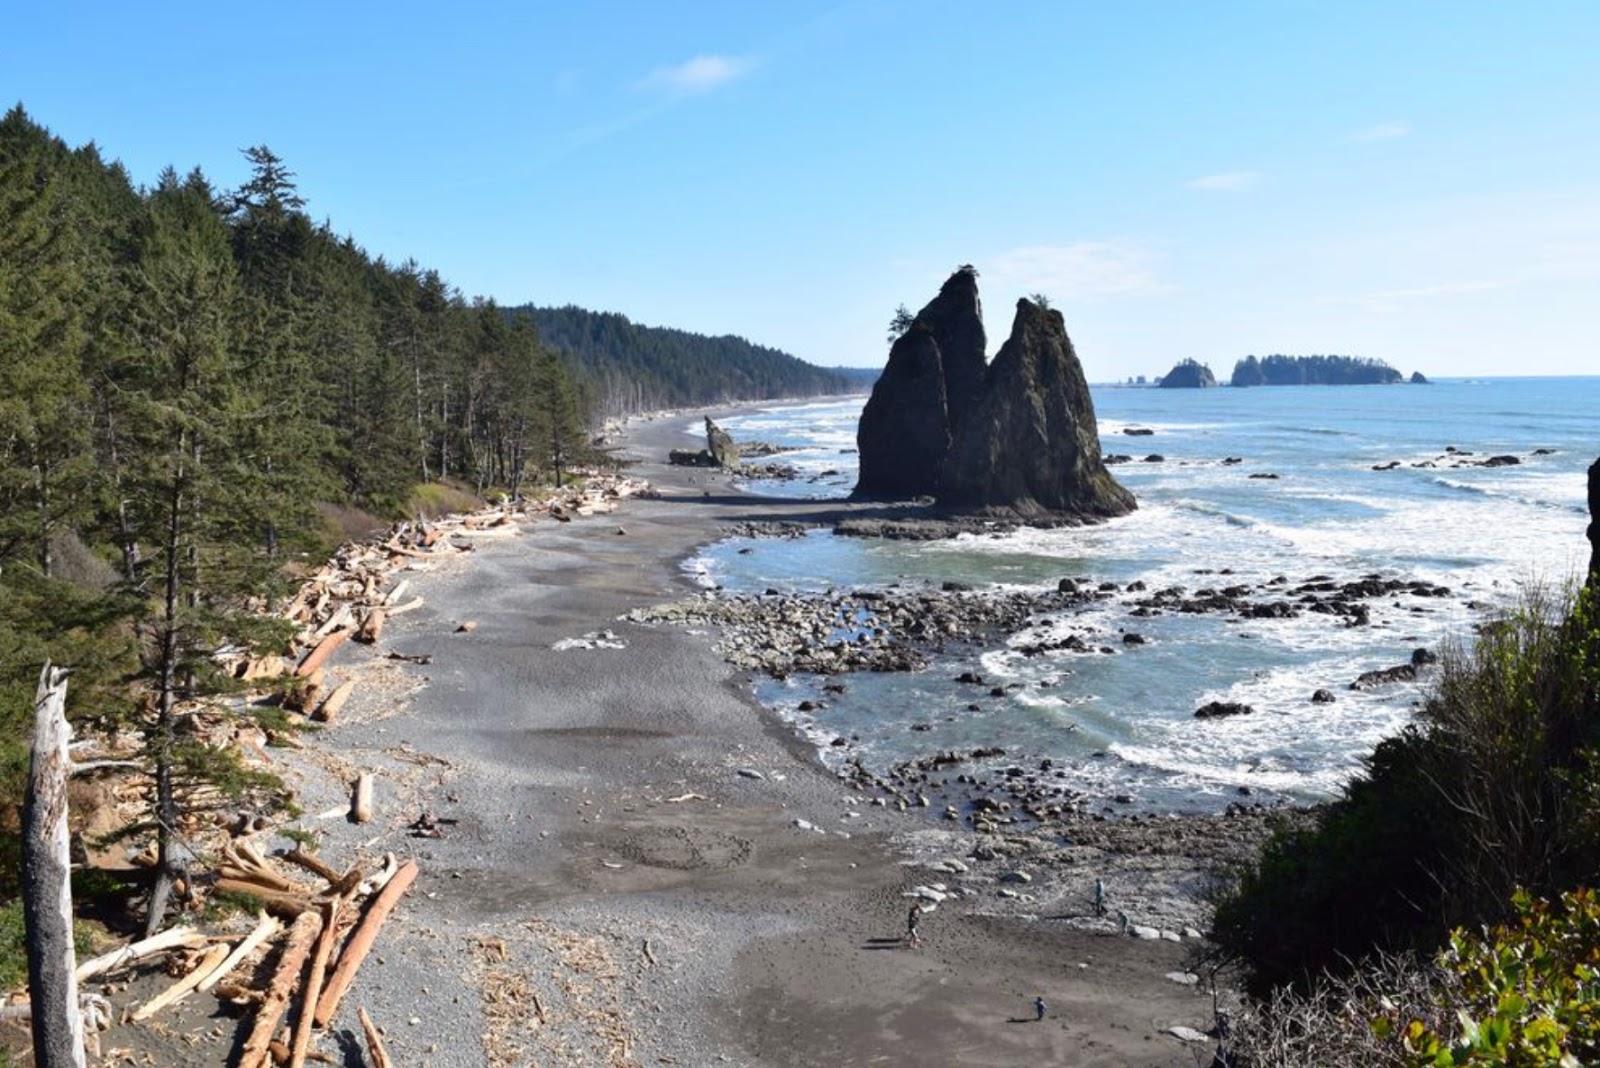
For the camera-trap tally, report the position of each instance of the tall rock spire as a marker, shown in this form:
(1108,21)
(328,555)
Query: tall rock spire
(1016,437)
(935,373)
(1032,446)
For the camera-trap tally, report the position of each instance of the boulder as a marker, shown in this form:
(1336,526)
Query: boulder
(1218,709)
(724,453)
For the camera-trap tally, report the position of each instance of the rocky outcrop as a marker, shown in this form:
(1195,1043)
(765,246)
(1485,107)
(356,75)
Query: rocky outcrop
(1031,446)
(721,446)
(1594,523)
(906,427)
(1189,374)
(1016,437)
(1419,379)
(720,451)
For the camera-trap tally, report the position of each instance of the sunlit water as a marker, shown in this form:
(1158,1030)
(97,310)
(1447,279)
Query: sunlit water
(1123,722)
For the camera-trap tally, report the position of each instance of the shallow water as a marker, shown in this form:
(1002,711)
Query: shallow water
(1123,721)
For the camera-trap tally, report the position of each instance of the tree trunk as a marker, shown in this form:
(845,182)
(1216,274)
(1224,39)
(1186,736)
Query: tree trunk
(47,883)
(167,867)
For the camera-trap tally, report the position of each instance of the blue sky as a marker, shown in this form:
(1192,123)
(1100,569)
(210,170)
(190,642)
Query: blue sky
(1417,182)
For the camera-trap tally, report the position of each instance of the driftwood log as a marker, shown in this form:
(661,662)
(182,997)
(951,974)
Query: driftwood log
(257,1052)
(313,990)
(380,1056)
(47,883)
(204,969)
(360,944)
(319,656)
(361,801)
(334,704)
(266,927)
(175,938)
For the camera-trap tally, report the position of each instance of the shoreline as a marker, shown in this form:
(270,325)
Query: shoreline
(637,863)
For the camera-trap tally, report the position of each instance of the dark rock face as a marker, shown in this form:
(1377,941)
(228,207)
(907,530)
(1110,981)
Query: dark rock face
(1015,437)
(1594,523)
(906,427)
(1189,374)
(1219,709)
(720,445)
(1031,445)
(1419,379)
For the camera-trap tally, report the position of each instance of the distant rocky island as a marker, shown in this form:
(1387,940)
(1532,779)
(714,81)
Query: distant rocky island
(1280,370)
(1188,374)
(1014,437)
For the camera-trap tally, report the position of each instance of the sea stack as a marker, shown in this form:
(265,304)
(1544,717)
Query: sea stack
(721,447)
(933,378)
(1188,374)
(1017,437)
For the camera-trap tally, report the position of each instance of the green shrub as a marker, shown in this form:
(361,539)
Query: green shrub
(1496,787)
(14,945)
(1528,992)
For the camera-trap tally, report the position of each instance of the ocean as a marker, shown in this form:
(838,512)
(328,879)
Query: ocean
(1119,718)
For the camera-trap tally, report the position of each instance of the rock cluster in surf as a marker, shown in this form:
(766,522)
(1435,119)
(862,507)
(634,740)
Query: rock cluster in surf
(1014,437)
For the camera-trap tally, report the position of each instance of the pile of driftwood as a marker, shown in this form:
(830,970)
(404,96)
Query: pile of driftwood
(321,933)
(312,937)
(350,598)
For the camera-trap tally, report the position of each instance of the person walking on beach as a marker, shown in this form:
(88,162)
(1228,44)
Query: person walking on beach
(912,919)
(1038,1009)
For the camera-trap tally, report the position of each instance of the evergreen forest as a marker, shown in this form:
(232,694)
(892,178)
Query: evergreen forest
(1279,370)
(630,368)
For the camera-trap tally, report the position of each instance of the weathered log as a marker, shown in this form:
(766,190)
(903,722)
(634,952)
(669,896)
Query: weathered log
(401,609)
(47,883)
(371,626)
(265,880)
(313,990)
(335,702)
(209,963)
(279,902)
(399,590)
(360,944)
(380,1056)
(343,619)
(266,927)
(295,951)
(361,803)
(176,938)
(312,864)
(319,656)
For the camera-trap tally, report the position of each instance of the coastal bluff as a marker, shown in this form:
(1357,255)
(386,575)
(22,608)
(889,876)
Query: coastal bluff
(1015,437)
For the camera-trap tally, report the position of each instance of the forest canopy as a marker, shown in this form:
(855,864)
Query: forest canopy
(632,368)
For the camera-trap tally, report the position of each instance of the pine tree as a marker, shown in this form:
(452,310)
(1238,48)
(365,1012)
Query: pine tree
(47,466)
(190,481)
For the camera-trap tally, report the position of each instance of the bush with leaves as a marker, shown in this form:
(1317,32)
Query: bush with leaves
(1528,992)
(1495,787)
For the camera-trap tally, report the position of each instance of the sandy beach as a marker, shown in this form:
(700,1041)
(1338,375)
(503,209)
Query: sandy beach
(620,877)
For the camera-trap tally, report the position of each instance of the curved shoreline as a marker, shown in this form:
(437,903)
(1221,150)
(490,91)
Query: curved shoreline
(672,871)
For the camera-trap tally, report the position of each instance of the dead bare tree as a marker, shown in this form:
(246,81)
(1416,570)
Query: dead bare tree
(47,884)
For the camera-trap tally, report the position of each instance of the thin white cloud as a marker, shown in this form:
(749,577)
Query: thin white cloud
(699,75)
(1384,131)
(1083,270)
(1230,182)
